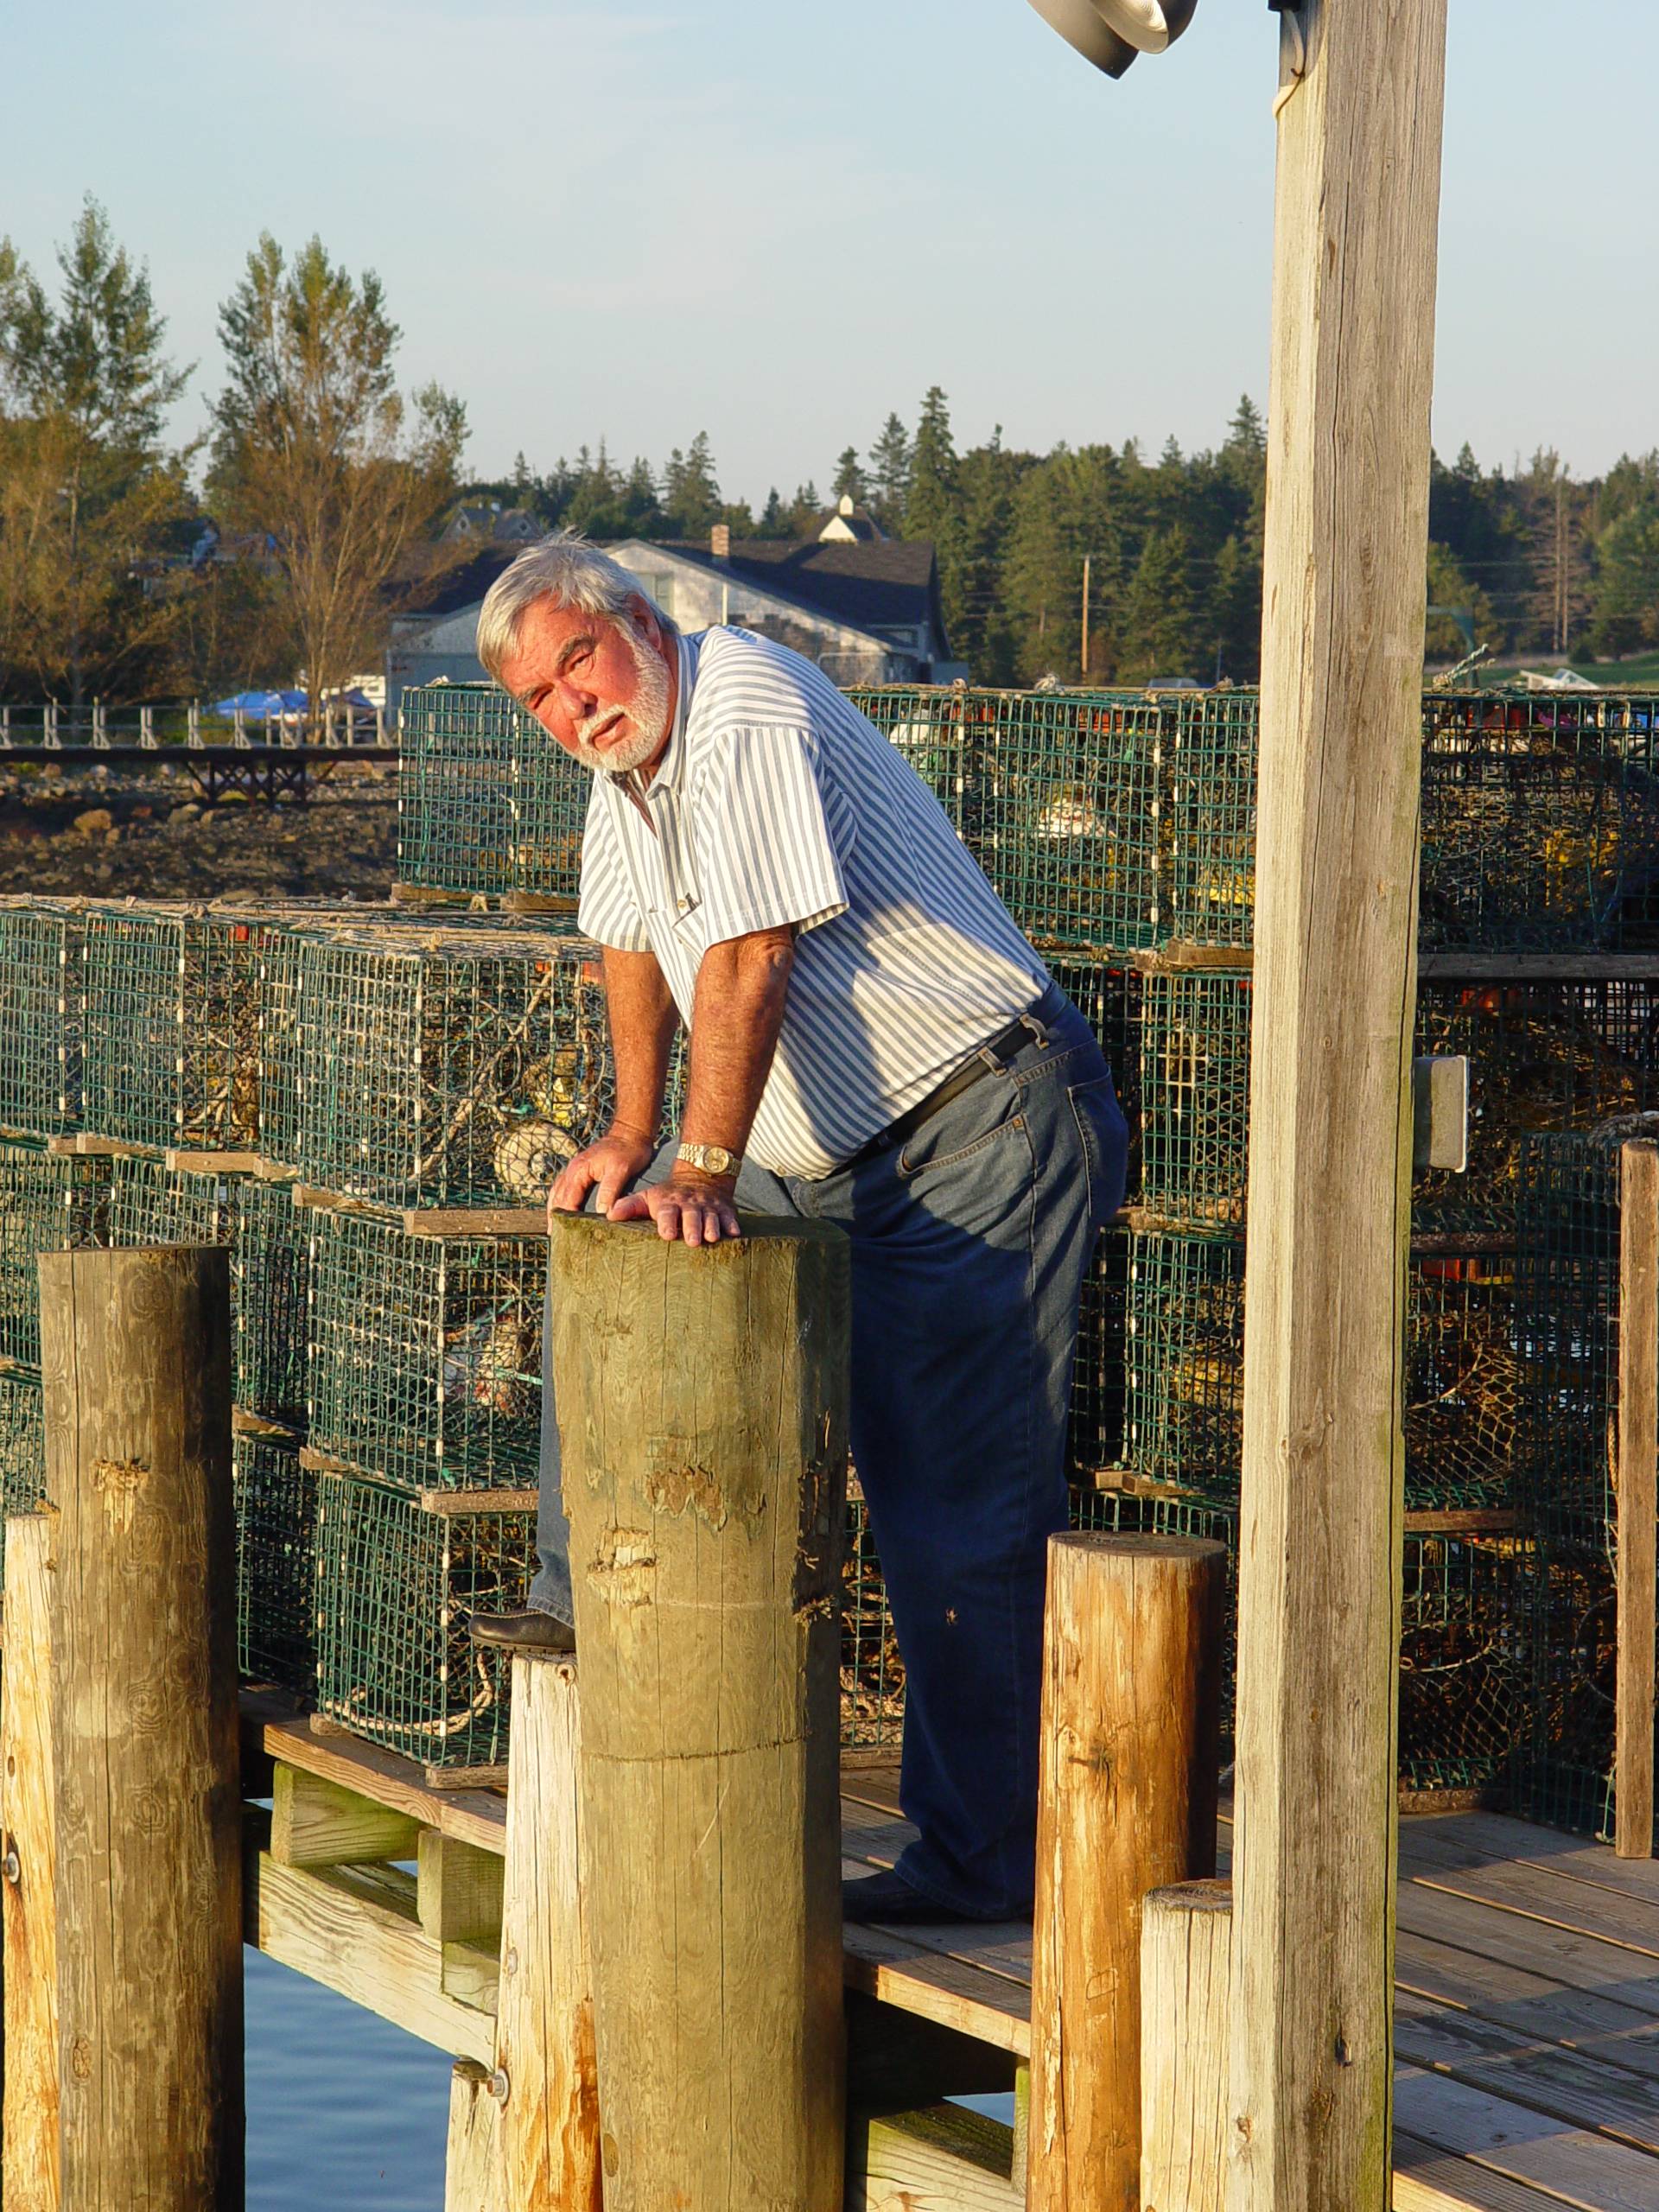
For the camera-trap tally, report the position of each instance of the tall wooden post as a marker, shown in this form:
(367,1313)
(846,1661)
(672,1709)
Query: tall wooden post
(702,1400)
(147,1799)
(1348,451)
(1127,1803)
(1638,1497)
(30,2180)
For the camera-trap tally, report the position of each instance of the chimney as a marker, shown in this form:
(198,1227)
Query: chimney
(720,541)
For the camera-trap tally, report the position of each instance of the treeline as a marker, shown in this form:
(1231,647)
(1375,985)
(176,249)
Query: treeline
(282,542)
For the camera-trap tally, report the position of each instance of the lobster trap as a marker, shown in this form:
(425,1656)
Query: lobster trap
(425,1354)
(1207,816)
(1464,1394)
(42,995)
(451,1067)
(172,1026)
(276,1564)
(397,1578)
(942,737)
(1194,1091)
(1540,821)
(47,1205)
(270,1272)
(1095,1431)
(152,1204)
(488,802)
(872,1671)
(1463,1661)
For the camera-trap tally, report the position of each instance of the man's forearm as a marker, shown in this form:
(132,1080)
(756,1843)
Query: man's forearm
(643,1021)
(742,988)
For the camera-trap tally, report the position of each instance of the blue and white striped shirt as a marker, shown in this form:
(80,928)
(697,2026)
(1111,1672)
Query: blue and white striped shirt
(778,803)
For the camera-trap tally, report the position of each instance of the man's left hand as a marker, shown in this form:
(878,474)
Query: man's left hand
(696,1209)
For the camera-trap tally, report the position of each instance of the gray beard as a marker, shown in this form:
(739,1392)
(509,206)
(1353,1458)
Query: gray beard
(649,715)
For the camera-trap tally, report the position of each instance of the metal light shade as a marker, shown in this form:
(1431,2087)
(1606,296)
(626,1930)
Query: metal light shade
(1080,25)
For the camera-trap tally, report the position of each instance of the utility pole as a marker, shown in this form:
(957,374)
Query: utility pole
(1085,618)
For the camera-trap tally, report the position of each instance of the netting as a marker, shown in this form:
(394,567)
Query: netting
(1184,1417)
(872,1672)
(47,1205)
(1540,820)
(270,1269)
(1464,1391)
(23,1451)
(397,1582)
(453,1067)
(1194,1085)
(1207,807)
(1568,1295)
(172,1026)
(150,1204)
(426,1354)
(488,803)
(41,1017)
(276,1564)
(1464,1660)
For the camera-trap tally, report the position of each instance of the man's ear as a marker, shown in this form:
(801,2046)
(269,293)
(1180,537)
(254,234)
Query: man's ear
(642,618)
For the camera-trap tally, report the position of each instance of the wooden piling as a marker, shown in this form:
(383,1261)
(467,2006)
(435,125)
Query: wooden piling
(1131,1701)
(1331,1128)
(1186,1942)
(701,1398)
(544,2027)
(473,2180)
(1638,1497)
(29,2178)
(147,1790)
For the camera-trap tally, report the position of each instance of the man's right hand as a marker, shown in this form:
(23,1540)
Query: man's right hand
(610,1166)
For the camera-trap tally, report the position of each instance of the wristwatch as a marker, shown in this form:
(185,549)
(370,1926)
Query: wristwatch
(713,1159)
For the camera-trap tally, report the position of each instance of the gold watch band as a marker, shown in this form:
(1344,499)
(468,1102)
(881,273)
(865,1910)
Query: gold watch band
(712,1159)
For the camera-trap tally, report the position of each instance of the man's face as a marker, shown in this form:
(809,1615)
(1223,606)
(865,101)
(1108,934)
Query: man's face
(601,685)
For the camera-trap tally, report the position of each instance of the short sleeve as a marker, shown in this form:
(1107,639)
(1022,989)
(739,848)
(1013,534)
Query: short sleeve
(606,911)
(766,856)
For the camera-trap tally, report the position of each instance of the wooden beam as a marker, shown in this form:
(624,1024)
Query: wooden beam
(1126,1802)
(315,1822)
(477,1816)
(544,2030)
(136,1368)
(30,2178)
(705,1453)
(941,2156)
(1638,1497)
(1346,532)
(458,1890)
(1186,1942)
(894,2059)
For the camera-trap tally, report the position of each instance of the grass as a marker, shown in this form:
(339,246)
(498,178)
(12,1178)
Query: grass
(1641,674)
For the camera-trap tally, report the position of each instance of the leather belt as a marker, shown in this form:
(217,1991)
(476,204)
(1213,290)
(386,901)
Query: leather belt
(1000,1049)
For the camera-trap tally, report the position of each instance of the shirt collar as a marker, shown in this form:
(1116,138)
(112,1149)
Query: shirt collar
(670,769)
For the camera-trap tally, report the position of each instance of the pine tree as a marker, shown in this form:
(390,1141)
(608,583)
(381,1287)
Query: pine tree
(1159,612)
(690,491)
(850,481)
(889,476)
(1627,590)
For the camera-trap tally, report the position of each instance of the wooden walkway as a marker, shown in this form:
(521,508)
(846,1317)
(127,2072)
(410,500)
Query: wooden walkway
(1527,2027)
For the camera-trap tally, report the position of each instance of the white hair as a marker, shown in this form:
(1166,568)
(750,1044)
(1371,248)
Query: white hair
(568,570)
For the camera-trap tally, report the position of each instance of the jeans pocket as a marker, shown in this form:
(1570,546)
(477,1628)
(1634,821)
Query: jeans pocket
(1104,1134)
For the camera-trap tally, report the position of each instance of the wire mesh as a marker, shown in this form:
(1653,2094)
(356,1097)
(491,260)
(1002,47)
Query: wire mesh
(1207,840)
(47,1205)
(276,1564)
(41,991)
(1194,1088)
(872,1671)
(942,736)
(151,1204)
(397,1582)
(426,1354)
(172,1026)
(1463,1661)
(1185,1334)
(22,1450)
(270,1272)
(549,808)
(462,1067)
(1540,820)
(1096,1419)
(1568,1293)
(454,788)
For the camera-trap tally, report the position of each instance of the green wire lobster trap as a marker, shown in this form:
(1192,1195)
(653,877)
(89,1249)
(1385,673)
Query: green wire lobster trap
(152,1204)
(449,1067)
(1569,1295)
(872,1672)
(271,1274)
(41,1013)
(172,1026)
(426,1354)
(47,1205)
(1194,1092)
(276,1564)
(22,1450)
(1463,1661)
(1464,1397)
(397,1579)
(1540,821)
(1207,816)
(488,802)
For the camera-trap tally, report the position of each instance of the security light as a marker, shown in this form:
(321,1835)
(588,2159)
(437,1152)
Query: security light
(1110,32)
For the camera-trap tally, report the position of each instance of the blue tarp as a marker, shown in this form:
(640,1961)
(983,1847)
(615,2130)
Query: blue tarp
(261,704)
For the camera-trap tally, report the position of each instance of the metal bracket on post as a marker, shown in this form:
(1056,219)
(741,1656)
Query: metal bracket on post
(1439,1114)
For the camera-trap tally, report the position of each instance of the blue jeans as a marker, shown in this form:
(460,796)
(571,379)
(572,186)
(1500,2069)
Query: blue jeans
(969,1247)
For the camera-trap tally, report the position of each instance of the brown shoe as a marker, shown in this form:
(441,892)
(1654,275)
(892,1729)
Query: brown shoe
(529,1631)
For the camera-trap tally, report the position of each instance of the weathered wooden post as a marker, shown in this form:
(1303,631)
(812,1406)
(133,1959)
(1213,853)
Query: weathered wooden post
(147,1788)
(1130,1725)
(701,1399)
(29,2174)
(1186,1941)
(1319,1534)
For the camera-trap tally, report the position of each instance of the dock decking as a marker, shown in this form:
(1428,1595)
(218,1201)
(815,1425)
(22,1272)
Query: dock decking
(1527,2023)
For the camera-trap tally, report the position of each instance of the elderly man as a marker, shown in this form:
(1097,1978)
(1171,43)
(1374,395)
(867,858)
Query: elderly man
(872,1043)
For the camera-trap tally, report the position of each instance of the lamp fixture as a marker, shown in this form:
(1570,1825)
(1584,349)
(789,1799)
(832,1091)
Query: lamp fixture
(1110,32)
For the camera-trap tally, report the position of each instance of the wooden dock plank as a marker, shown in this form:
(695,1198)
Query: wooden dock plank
(1573,1960)
(474,1816)
(1426,2179)
(1537,1893)
(1533,2004)
(1567,2084)
(1582,2170)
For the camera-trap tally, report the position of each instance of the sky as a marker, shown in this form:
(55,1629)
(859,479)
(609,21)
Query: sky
(776,223)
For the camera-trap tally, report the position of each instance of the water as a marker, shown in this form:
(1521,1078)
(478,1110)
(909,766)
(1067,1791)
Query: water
(345,2113)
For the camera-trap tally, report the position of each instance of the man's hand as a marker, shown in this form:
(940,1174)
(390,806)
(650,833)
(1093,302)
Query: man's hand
(611,1165)
(695,1207)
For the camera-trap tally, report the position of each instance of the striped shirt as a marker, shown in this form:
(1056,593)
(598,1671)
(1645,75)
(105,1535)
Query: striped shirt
(777,803)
